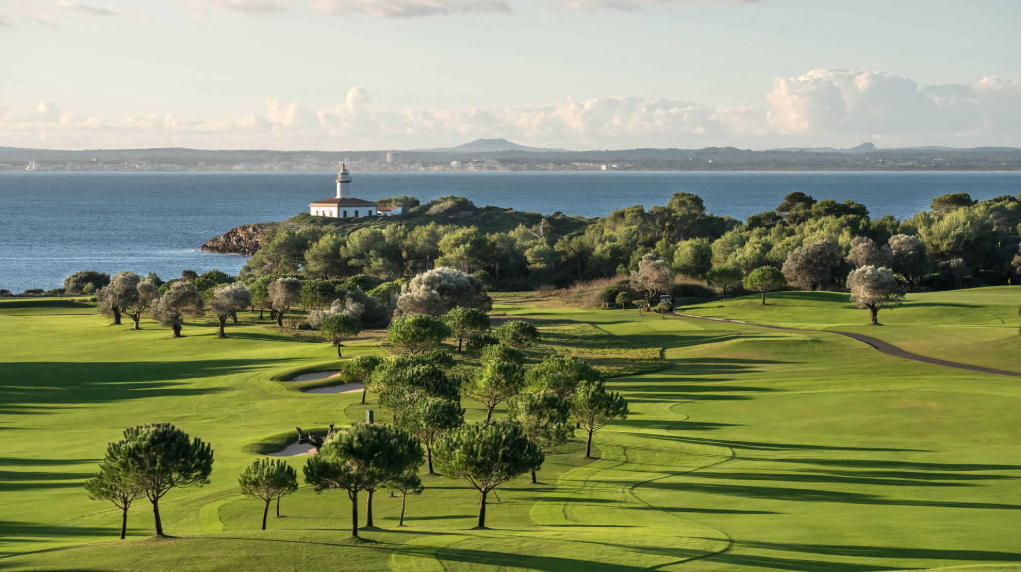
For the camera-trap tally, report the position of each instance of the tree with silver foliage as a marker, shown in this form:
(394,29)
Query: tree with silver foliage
(182,299)
(908,257)
(283,293)
(872,288)
(811,266)
(865,252)
(227,301)
(118,296)
(437,291)
(653,276)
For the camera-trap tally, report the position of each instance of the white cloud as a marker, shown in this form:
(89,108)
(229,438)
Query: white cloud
(72,6)
(409,8)
(822,107)
(247,7)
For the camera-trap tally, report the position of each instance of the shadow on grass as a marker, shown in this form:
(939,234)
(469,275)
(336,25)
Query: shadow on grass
(766,446)
(34,480)
(37,387)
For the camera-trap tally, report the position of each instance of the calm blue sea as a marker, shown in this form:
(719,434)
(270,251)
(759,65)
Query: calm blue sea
(52,224)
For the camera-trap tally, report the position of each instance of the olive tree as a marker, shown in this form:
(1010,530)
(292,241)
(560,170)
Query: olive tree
(496,382)
(811,266)
(865,252)
(437,291)
(113,484)
(148,292)
(908,257)
(430,418)
(464,322)
(765,279)
(543,418)
(406,483)
(283,293)
(872,288)
(227,300)
(182,299)
(594,408)
(157,458)
(486,456)
(364,456)
(725,277)
(267,480)
(120,294)
(339,327)
(653,276)
(416,334)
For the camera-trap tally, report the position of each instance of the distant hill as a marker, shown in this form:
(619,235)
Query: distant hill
(493,146)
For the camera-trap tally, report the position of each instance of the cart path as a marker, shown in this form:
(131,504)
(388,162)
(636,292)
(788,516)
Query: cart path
(883,347)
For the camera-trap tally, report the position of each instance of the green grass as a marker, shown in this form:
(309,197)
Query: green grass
(977,326)
(754,450)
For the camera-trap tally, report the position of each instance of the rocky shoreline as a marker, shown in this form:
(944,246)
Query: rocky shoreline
(245,239)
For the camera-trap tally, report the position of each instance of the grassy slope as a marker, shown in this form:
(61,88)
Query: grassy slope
(756,449)
(977,326)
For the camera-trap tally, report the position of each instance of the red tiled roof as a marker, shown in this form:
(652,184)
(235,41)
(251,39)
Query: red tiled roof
(352,202)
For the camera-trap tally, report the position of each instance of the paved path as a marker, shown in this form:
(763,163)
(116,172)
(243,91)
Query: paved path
(883,347)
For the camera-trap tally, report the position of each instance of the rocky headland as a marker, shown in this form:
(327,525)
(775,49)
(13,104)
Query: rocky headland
(245,239)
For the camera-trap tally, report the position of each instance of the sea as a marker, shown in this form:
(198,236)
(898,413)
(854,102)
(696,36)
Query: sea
(55,223)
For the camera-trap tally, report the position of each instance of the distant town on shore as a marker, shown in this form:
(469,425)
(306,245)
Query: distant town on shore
(503,155)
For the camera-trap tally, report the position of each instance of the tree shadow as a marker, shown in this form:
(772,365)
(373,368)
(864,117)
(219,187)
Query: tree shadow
(766,446)
(38,387)
(33,480)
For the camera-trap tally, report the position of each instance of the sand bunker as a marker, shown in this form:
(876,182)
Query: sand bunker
(295,450)
(312,376)
(342,388)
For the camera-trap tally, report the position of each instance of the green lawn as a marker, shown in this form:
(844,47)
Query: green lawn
(754,449)
(977,326)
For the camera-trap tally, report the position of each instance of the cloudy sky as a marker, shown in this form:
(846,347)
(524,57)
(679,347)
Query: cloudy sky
(578,74)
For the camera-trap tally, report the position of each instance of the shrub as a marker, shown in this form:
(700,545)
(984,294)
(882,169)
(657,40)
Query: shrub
(75,283)
(479,341)
(517,334)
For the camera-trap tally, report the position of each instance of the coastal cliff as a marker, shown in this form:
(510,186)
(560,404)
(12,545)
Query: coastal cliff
(245,239)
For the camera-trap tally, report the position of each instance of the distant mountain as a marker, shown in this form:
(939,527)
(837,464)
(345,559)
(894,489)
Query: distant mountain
(493,146)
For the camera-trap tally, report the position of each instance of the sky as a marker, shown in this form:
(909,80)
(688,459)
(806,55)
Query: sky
(575,74)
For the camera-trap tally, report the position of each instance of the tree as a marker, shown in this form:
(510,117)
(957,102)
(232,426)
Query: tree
(944,204)
(765,279)
(623,299)
(430,418)
(497,381)
(653,276)
(401,382)
(500,352)
(486,456)
(227,301)
(268,480)
(340,327)
(865,252)
(955,269)
(594,408)
(464,322)
(664,308)
(908,257)
(560,375)
(543,418)
(873,288)
(157,458)
(437,291)
(365,457)
(416,334)
(725,277)
(114,485)
(120,294)
(323,258)
(75,283)
(406,483)
(147,294)
(283,293)
(182,299)
(811,266)
(359,370)
(517,334)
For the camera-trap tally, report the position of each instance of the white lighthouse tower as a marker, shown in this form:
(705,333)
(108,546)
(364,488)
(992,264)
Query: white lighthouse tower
(343,182)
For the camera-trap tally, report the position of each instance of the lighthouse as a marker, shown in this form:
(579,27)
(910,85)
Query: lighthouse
(343,182)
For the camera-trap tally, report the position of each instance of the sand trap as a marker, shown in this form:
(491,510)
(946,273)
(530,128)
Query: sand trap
(312,376)
(342,388)
(295,450)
